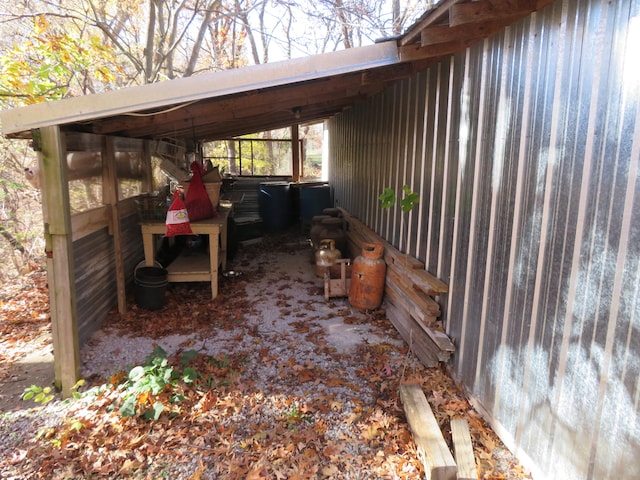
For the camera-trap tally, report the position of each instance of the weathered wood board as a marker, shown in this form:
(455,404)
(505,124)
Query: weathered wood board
(432,448)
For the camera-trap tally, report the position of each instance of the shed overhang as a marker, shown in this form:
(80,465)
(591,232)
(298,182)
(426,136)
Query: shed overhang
(263,97)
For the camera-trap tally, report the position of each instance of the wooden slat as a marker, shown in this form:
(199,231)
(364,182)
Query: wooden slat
(421,345)
(426,323)
(432,448)
(404,288)
(463,449)
(359,233)
(89,221)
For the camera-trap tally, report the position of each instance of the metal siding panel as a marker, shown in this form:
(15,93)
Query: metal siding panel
(459,290)
(540,131)
(380,157)
(95,281)
(413,168)
(450,180)
(423,209)
(438,165)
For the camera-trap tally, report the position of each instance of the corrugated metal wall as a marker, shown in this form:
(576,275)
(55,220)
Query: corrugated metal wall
(95,273)
(525,151)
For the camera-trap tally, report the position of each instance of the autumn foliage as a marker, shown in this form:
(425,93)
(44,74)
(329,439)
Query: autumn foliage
(258,389)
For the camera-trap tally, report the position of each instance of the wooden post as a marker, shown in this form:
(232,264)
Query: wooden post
(147,180)
(60,267)
(295,151)
(110,197)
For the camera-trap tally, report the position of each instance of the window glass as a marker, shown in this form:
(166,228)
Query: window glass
(84,173)
(130,171)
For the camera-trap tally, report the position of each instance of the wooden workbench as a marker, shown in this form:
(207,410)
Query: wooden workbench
(193,267)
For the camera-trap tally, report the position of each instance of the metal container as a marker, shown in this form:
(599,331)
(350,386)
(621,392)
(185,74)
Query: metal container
(367,277)
(326,256)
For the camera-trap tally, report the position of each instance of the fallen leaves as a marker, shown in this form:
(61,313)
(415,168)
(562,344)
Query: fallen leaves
(323,413)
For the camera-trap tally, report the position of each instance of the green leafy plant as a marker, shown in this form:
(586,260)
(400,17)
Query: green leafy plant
(295,416)
(145,383)
(44,395)
(409,199)
(38,394)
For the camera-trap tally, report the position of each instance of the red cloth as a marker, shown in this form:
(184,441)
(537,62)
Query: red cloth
(177,218)
(197,201)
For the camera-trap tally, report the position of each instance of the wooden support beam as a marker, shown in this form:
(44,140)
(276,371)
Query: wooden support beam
(410,53)
(60,266)
(432,17)
(432,448)
(463,449)
(439,34)
(295,151)
(485,11)
(111,198)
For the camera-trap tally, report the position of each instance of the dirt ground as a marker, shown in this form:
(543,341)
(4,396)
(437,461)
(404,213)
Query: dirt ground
(289,385)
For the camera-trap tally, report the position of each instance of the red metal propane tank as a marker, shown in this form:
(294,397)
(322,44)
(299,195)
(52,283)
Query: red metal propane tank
(367,277)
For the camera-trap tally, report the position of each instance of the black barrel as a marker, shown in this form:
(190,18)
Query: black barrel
(150,287)
(275,205)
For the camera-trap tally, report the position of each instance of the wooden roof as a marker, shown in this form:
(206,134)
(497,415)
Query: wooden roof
(263,97)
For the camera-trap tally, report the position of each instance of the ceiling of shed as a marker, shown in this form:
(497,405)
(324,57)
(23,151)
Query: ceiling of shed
(265,97)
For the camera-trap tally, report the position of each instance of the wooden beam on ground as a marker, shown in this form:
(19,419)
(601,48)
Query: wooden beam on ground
(463,449)
(432,448)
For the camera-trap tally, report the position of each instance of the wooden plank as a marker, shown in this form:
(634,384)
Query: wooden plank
(425,321)
(484,11)
(441,339)
(423,304)
(463,449)
(410,53)
(295,152)
(432,448)
(89,221)
(357,233)
(421,345)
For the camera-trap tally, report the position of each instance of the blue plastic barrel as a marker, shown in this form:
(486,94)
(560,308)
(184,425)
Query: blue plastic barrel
(313,199)
(274,200)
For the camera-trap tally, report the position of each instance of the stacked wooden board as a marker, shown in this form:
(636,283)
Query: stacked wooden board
(410,296)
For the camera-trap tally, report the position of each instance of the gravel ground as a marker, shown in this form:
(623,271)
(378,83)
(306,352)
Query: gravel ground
(318,388)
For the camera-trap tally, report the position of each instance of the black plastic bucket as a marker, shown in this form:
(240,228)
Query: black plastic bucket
(150,287)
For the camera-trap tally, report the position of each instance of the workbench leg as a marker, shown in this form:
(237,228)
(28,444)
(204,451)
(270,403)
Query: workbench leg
(147,242)
(213,259)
